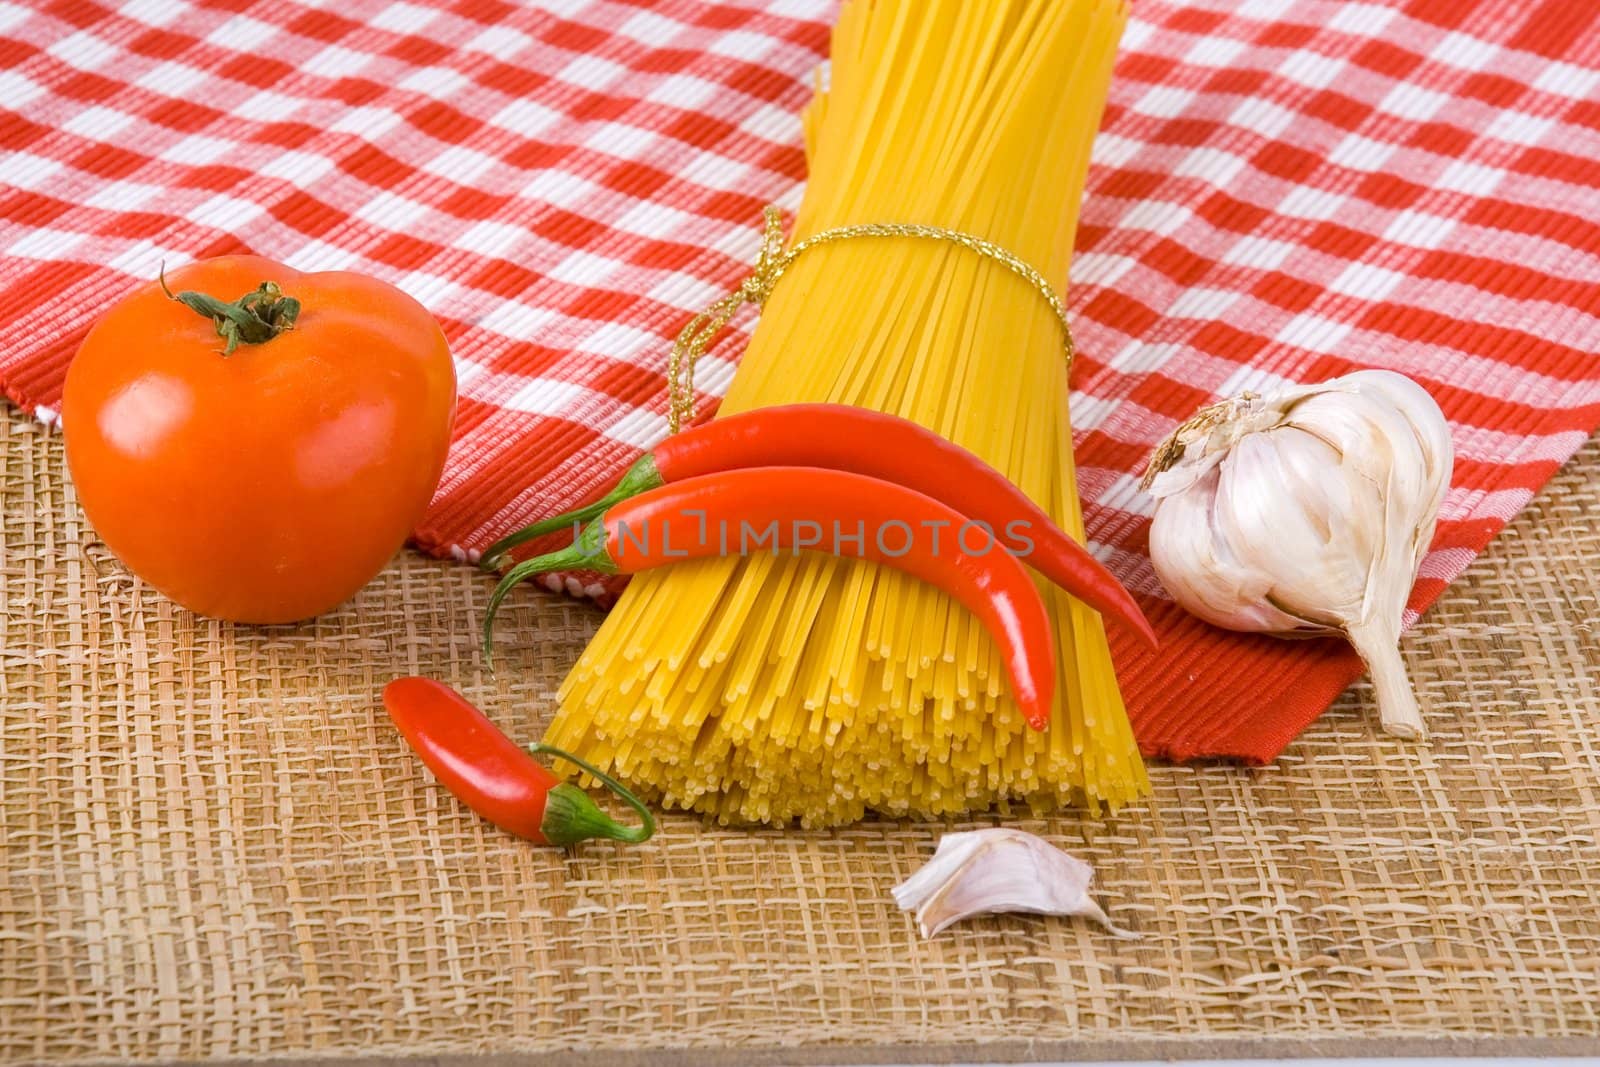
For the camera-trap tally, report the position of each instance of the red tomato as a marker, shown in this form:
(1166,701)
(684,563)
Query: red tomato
(271,483)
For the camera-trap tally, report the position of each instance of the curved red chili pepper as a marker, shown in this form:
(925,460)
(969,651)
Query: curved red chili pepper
(844,438)
(709,516)
(496,777)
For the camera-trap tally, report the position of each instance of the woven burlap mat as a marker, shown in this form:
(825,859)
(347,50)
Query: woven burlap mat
(216,847)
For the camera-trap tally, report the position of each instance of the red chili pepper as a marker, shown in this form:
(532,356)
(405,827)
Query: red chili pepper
(844,438)
(766,507)
(495,776)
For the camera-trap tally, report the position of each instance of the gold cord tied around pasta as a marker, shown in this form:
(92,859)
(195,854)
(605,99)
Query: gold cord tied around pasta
(772,261)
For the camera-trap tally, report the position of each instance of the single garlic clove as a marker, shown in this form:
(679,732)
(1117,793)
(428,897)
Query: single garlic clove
(998,870)
(1303,559)
(1432,434)
(1217,584)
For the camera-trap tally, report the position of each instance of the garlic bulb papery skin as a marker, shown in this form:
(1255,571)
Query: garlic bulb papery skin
(1307,513)
(978,872)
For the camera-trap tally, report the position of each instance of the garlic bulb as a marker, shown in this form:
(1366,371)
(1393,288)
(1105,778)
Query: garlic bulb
(999,869)
(1307,513)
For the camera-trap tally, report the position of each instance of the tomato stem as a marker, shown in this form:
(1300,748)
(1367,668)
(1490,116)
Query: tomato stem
(255,318)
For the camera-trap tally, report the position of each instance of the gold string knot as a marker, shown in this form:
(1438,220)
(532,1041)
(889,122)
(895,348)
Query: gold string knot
(772,261)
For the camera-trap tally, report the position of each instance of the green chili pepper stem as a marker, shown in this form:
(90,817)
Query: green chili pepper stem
(640,477)
(571,815)
(587,553)
(255,318)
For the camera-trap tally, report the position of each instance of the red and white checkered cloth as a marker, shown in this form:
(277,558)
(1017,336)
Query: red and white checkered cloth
(1283,190)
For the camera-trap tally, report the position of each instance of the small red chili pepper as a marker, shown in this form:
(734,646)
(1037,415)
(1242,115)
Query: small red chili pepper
(844,438)
(496,777)
(766,507)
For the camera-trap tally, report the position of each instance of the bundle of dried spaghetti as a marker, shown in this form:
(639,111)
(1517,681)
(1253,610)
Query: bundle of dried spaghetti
(807,687)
